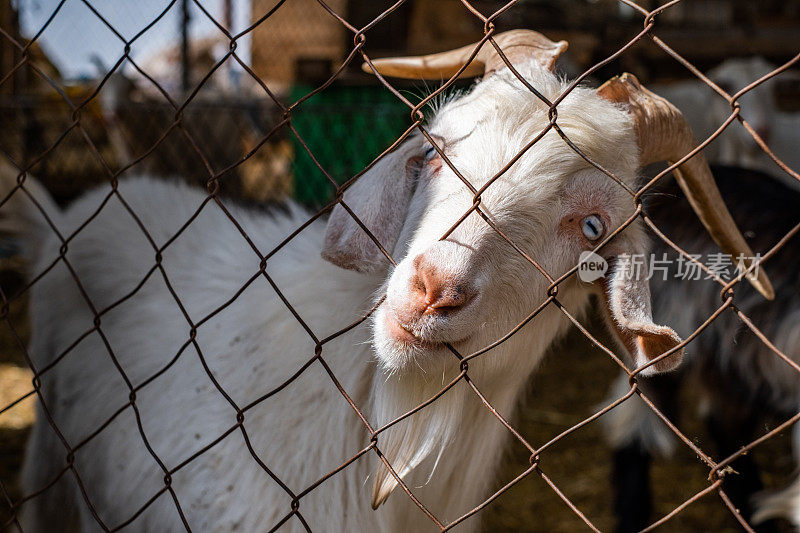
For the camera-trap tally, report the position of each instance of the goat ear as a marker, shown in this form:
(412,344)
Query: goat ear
(380,200)
(626,295)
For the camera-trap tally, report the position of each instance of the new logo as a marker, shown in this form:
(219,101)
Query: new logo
(591,266)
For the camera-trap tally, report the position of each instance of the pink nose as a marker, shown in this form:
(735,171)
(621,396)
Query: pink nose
(434,291)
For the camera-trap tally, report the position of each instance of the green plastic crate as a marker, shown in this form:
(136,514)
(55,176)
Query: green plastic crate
(345,127)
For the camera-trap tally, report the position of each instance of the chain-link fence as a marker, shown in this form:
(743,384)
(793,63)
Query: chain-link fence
(315,142)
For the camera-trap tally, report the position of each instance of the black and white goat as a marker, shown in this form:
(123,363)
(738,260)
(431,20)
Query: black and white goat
(742,381)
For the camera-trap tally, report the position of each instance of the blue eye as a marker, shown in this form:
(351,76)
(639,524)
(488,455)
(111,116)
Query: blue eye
(592,227)
(430,151)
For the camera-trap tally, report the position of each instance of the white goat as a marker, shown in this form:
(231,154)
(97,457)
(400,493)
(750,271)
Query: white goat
(706,111)
(467,290)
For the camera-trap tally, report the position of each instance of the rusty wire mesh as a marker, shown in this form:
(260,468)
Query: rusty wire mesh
(214,175)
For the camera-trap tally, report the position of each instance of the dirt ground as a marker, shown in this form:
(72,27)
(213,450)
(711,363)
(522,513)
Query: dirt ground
(571,384)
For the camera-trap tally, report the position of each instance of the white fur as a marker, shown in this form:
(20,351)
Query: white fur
(784,503)
(634,421)
(307,429)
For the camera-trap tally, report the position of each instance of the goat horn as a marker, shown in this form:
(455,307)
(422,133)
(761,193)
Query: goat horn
(664,135)
(517,45)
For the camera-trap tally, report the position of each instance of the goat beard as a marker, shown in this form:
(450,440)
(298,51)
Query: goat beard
(424,434)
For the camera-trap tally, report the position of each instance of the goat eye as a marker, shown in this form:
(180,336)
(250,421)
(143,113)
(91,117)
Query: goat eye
(592,227)
(430,151)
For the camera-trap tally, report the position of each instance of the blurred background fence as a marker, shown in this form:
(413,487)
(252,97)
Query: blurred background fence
(297,49)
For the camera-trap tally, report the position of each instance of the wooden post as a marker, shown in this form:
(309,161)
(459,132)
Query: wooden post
(9,53)
(185,61)
(227,15)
